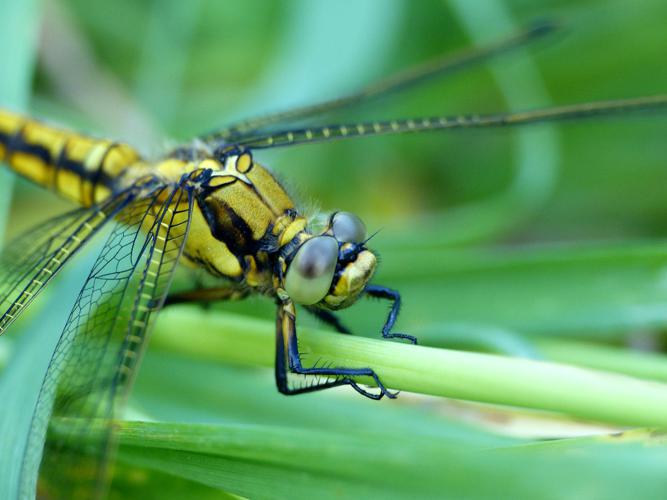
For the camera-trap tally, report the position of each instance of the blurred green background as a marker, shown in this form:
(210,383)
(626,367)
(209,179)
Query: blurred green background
(520,242)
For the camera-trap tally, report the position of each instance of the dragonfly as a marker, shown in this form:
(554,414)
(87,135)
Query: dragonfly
(209,206)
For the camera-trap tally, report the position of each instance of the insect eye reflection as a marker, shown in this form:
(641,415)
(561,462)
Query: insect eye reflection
(311,271)
(348,228)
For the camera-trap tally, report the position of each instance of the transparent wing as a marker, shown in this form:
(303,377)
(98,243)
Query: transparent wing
(411,77)
(100,347)
(327,133)
(28,263)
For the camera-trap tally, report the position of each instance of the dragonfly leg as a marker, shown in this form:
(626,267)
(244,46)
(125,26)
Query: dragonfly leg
(382,292)
(288,359)
(330,319)
(207,295)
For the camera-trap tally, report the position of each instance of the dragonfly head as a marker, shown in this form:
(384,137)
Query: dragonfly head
(332,268)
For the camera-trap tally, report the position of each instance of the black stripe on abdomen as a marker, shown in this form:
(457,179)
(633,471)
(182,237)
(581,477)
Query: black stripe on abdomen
(63,162)
(4,141)
(17,144)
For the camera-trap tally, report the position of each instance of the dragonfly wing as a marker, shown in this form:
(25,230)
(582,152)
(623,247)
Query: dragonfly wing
(328,133)
(403,80)
(28,263)
(99,350)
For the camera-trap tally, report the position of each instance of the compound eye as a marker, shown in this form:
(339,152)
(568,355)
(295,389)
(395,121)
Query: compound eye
(311,271)
(348,228)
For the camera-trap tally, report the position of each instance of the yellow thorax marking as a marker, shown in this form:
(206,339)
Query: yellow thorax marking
(234,167)
(287,229)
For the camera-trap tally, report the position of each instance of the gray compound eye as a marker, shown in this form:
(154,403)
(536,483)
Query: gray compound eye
(311,271)
(348,228)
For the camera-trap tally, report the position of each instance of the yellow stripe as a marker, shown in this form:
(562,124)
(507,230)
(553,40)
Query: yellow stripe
(32,167)
(81,160)
(10,123)
(53,141)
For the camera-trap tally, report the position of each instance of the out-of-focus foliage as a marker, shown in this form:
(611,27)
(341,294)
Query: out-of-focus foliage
(499,240)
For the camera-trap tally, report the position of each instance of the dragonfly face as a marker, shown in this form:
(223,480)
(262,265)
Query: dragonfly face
(330,269)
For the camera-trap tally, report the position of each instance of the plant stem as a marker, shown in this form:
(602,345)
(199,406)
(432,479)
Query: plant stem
(645,365)
(574,391)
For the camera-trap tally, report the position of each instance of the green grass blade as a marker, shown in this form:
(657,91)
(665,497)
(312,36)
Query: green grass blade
(19,22)
(275,462)
(588,394)
(18,30)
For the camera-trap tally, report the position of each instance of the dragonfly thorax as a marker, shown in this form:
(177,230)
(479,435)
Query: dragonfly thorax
(239,216)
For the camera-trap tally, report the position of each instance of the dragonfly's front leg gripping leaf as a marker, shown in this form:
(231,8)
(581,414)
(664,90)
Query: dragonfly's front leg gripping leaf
(288,361)
(382,292)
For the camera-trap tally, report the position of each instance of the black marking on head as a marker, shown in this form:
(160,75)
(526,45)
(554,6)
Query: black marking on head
(347,254)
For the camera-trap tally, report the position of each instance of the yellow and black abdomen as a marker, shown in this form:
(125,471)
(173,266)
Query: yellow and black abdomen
(78,167)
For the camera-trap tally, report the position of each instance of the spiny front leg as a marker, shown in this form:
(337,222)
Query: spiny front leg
(288,360)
